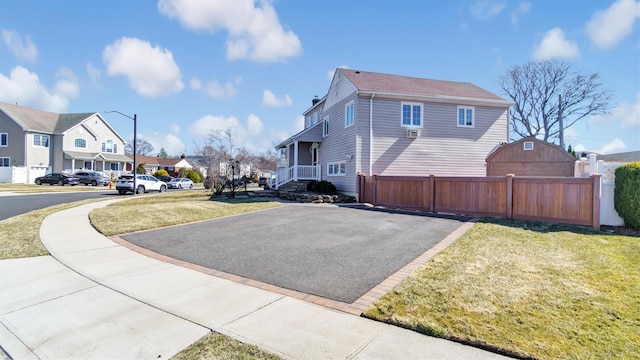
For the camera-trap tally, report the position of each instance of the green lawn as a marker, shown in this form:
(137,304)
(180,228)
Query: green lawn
(530,289)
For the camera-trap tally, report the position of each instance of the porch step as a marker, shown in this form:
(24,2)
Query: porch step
(295,186)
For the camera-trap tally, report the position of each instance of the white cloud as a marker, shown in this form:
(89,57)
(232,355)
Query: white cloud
(151,70)
(555,46)
(218,91)
(331,72)
(24,50)
(627,114)
(270,99)
(523,8)
(613,146)
(175,128)
(298,124)
(195,84)
(171,143)
(607,28)
(254,29)
(94,74)
(484,9)
(254,124)
(67,84)
(249,134)
(24,88)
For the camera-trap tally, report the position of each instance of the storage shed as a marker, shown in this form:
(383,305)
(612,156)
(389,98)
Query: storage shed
(530,157)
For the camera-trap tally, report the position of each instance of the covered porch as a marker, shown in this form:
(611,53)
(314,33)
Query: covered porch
(298,158)
(100,162)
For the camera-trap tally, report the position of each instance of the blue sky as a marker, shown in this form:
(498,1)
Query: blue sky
(189,67)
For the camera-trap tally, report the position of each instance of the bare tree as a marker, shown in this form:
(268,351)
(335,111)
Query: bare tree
(143,147)
(536,88)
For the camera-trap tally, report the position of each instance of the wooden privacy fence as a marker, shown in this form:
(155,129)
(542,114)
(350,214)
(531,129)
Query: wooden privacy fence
(555,199)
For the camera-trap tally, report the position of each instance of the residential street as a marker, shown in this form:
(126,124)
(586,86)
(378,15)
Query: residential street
(19,204)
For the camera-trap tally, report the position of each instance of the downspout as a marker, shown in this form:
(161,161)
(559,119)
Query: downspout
(371,134)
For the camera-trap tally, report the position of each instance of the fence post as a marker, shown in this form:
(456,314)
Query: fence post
(375,189)
(360,187)
(596,201)
(509,196)
(432,193)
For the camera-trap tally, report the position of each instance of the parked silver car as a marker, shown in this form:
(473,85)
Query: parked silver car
(180,183)
(92,178)
(144,183)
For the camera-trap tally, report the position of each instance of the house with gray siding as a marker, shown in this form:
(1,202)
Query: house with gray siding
(35,142)
(384,124)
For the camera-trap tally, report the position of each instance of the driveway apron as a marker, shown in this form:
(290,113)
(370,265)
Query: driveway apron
(334,252)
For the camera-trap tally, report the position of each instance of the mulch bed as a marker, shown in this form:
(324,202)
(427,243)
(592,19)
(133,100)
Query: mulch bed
(620,230)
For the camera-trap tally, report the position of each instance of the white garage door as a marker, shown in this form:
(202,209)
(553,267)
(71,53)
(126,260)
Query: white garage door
(35,171)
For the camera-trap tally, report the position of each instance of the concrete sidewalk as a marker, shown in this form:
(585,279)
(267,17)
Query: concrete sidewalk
(96,299)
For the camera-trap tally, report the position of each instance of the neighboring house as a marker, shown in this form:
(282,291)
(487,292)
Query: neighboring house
(530,157)
(35,142)
(624,157)
(384,124)
(171,165)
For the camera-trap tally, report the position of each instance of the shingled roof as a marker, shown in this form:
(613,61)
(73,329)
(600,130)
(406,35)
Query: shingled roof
(42,121)
(396,84)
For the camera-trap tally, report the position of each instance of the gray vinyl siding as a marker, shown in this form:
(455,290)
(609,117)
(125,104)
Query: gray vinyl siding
(443,148)
(15,141)
(340,143)
(304,155)
(340,89)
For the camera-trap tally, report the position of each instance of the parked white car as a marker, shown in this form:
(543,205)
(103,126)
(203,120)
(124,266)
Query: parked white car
(180,183)
(144,183)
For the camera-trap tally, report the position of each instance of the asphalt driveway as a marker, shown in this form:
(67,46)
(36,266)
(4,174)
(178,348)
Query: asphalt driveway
(334,252)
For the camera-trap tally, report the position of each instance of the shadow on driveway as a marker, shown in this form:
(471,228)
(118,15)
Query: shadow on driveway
(333,252)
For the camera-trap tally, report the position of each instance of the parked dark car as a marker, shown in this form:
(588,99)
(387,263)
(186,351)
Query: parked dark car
(92,178)
(57,178)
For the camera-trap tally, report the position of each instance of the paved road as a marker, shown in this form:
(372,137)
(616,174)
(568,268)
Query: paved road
(334,252)
(19,204)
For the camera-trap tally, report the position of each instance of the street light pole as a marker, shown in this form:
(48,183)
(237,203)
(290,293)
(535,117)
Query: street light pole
(135,140)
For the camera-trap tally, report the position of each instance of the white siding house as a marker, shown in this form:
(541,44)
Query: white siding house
(385,124)
(38,142)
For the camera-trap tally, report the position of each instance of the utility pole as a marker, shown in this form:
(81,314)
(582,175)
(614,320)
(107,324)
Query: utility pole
(560,123)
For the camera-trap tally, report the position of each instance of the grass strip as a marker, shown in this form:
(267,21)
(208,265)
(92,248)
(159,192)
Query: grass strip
(182,207)
(20,235)
(215,346)
(528,289)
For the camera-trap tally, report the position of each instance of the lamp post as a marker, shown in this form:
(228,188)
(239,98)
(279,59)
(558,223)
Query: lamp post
(135,140)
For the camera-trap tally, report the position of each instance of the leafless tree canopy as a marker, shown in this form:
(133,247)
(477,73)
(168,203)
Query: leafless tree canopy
(535,86)
(143,147)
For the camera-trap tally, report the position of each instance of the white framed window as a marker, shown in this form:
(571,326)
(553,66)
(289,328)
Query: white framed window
(528,145)
(5,161)
(308,122)
(411,114)
(80,143)
(325,127)
(315,117)
(4,139)
(337,168)
(115,166)
(115,148)
(41,140)
(466,116)
(109,146)
(349,114)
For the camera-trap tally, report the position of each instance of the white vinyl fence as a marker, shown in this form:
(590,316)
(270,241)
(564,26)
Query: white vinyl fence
(586,167)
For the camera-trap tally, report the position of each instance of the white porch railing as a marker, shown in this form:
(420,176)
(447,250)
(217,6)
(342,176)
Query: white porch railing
(295,173)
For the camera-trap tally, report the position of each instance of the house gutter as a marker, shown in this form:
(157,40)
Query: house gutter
(440,98)
(371,134)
